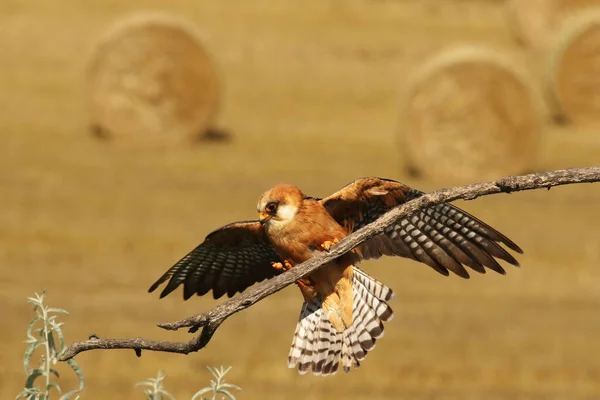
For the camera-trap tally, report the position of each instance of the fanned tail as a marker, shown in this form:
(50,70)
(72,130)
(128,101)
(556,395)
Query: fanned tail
(317,344)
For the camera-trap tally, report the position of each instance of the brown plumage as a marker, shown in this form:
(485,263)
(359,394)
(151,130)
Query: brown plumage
(344,308)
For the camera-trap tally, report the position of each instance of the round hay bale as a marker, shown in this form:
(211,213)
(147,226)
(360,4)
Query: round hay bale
(574,70)
(534,22)
(151,80)
(469,114)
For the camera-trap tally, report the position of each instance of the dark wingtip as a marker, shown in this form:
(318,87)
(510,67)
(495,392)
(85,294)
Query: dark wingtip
(509,243)
(481,270)
(506,256)
(159,282)
(165,292)
(154,286)
(518,249)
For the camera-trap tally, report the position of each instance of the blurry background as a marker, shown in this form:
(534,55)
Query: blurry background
(309,94)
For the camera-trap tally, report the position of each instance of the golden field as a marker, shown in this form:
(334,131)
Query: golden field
(310,96)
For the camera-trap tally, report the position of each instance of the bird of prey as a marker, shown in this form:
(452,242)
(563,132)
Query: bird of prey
(344,307)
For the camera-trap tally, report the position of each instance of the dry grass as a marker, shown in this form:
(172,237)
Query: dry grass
(311,98)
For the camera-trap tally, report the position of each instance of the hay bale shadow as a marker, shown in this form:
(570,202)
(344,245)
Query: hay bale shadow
(210,135)
(214,135)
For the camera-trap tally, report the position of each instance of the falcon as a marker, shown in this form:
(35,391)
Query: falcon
(344,307)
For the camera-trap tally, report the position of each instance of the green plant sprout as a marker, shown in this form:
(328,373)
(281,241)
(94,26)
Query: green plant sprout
(217,386)
(44,331)
(156,389)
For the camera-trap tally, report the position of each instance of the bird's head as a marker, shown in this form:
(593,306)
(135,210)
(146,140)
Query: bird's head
(279,204)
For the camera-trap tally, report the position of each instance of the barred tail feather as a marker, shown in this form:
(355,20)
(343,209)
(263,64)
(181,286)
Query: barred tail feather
(299,344)
(319,346)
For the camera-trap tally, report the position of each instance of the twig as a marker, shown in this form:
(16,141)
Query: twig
(212,319)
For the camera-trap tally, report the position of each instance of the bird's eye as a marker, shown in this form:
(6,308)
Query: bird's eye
(271,207)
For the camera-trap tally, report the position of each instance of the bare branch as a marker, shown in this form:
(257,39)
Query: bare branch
(138,344)
(212,319)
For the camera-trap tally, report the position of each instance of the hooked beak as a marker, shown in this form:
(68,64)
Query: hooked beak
(263,217)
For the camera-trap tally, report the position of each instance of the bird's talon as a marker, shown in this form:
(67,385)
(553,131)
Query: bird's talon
(286,265)
(277,265)
(328,243)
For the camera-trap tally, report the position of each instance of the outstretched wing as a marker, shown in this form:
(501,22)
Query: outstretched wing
(442,236)
(229,260)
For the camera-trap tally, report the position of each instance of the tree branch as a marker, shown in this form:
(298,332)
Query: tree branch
(212,319)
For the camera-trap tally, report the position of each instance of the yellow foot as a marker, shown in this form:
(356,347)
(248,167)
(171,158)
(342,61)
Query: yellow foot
(328,243)
(282,267)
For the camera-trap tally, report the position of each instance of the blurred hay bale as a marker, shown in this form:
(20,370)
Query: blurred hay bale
(573,76)
(534,22)
(151,80)
(469,114)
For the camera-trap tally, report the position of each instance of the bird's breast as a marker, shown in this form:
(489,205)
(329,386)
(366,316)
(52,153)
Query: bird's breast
(293,248)
(302,238)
